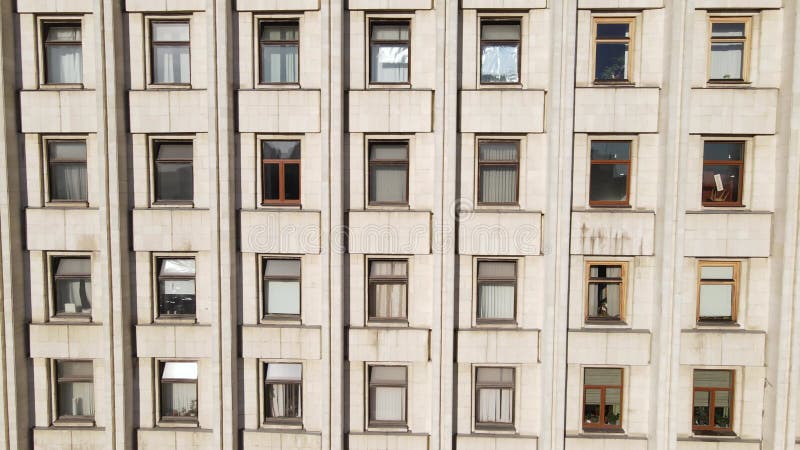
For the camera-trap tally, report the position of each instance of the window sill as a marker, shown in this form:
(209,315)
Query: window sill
(716,205)
(496,429)
(721,435)
(728,83)
(72,318)
(278,86)
(273,424)
(515,85)
(61,87)
(396,428)
(176,319)
(168,86)
(387,207)
(610,206)
(496,206)
(76,204)
(74,422)
(173,204)
(496,323)
(178,423)
(281,320)
(398,323)
(280,205)
(623,83)
(388,86)
(602,431)
(605,322)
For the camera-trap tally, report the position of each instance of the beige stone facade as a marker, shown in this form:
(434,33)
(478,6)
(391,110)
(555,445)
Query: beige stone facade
(667,109)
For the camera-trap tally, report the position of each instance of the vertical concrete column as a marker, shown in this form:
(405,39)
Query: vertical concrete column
(15,432)
(560,113)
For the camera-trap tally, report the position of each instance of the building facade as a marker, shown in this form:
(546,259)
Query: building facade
(400,224)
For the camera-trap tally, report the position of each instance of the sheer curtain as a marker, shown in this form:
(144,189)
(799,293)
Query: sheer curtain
(73,296)
(726,61)
(64,63)
(179,399)
(390,300)
(496,301)
(495,405)
(68,181)
(279,63)
(389,404)
(76,399)
(389,63)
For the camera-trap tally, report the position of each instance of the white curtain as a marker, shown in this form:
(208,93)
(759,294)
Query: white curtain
(498,183)
(726,61)
(284,400)
(495,405)
(279,64)
(171,64)
(64,63)
(389,63)
(388,183)
(76,399)
(179,399)
(389,404)
(73,296)
(390,300)
(499,63)
(283,297)
(715,300)
(496,301)
(68,182)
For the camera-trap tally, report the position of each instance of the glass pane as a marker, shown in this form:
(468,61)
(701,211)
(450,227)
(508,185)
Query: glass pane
(497,269)
(284,371)
(613,30)
(609,182)
(387,268)
(613,407)
(64,63)
(171,64)
(500,63)
(67,150)
(176,297)
(389,63)
(279,32)
(179,371)
(280,150)
(68,182)
(178,399)
(282,297)
(388,183)
(390,32)
(722,409)
(171,267)
(282,400)
(272,182)
(174,150)
(495,405)
(282,268)
(712,378)
(604,300)
(74,369)
(63,33)
(174,181)
(495,301)
(73,267)
(498,151)
(170,31)
(388,404)
(75,399)
(498,184)
(716,301)
(723,151)
(716,272)
(611,62)
(495,375)
(500,31)
(387,374)
(279,63)
(728,29)
(701,410)
(291,173)
(73,296)
(591,406)
(388,151)
(602,271)
(611,150)
(387,300)
(721,183)
(726,60)
(602,377)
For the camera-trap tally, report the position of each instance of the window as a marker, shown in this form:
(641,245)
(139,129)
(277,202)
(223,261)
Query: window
(174,178)
(609,181)
(718,291)
(500,51)
(498,169)
(723,164)
(170,52)
(497,286)
(178,395)
(279,43)
(74,390)
(66,170)
(388,52)
(613,42)
(602,399)
(388,386)
(280,172)
(606,291)
(388,173)
(712,410)
(283,387)
(494,397)
(63,54)
(388,289)
(72,286)
(729,49)
(176,290)
(281,287)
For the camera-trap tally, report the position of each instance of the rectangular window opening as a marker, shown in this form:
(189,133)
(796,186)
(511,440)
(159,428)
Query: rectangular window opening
(389,48)
(500,51)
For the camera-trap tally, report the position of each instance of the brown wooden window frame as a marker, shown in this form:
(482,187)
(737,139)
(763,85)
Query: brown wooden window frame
(734,283)
(265,279)
(479,425)
(45,26)
(746,43)
(630,40)
(399,42)
(625,162)
(373,423)
(515,163)
(711,428)
(601,425)
(497,42)
(386,279)
(58,381)
(722,162)
(281,163)
(161,381)
(153,44)
(405,163)
(265,22)
(622,280)
(513,281)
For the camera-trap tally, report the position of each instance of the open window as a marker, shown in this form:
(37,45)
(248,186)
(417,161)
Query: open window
(283,388)
(178,393)
(176,287)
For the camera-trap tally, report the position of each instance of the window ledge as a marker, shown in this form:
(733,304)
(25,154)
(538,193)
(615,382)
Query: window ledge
(282,425)
(726,210)
(77,319)
(166,320)
(173,204)
(74,423)
(496,429)
(280,207)
(600,432)
(168,87)
(62,87)
(500,86)
(714,435)
(388,86)
(613,84)
(178,423)
(281,320)
(76,204)
(278,86)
